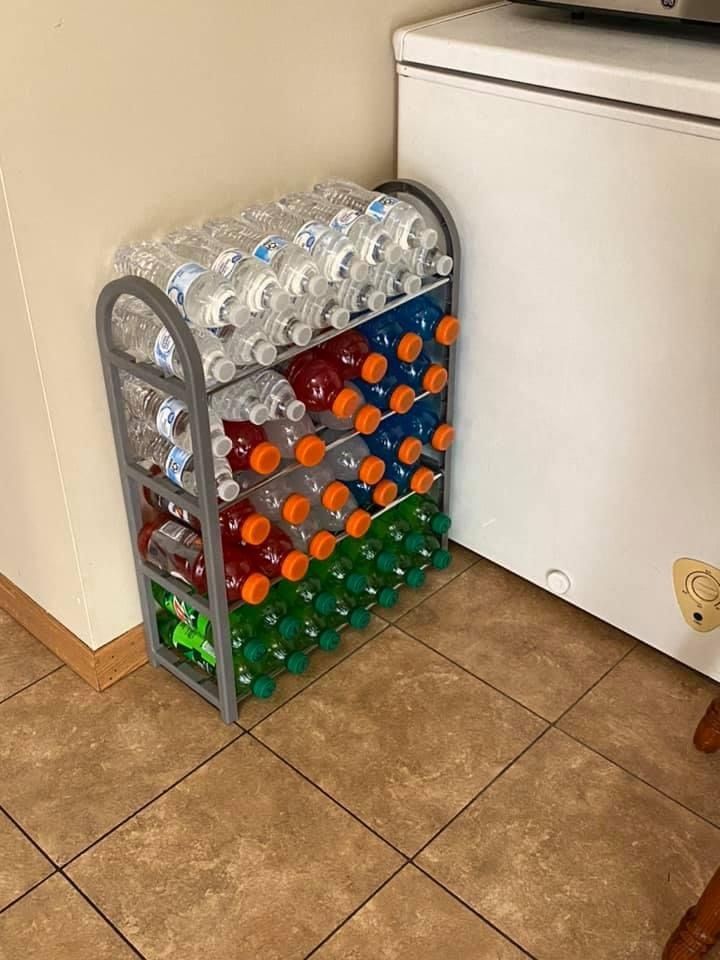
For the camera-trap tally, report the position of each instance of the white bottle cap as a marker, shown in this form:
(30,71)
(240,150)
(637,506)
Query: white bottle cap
(376,300)
(259,414)
(279,299)
(237,314)
(359,270)
(339,317)
(222,369)
(294,410)
(317,286)
(412,283)
(443,265)
(221,445)
(300,333)
(427,238)
(265,353)
(228,490)
(392,253)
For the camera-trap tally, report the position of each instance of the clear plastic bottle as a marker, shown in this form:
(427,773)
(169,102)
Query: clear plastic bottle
(311,535)
(368,236)
(403,221)
(168,416)
(248,344)
(322,311)
(358,297)
(334,253)
(394,281)
(366,419)
(284,326)
(138,331)
(278,397)
(350,518)
(279,502)
(255,283)
(352,460)
(240,401)
(176,463)
(428,263)
(320,486)
(296,440)
(201,296)
(295,270)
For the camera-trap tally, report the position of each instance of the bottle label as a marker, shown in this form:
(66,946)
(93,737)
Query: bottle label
(268,248)
(344,219)
(309,234)
(167,415)
(164,351)
(207,652)
(380,206)
(183,611)
(179,284)
(175,466)
(226,262)
(175,510)
(178,533)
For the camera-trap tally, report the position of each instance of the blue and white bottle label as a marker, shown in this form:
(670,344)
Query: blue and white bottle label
(164,351)
(344,219)
(176,464)
(309,234)
(179,284)
(226,262)
(167,415)
(268,248)
(380,206)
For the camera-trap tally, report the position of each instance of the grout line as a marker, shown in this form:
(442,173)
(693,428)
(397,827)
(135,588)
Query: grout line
(100,913)
(27,836)
(32,683)
(595,684)
(29,890)
(432,592)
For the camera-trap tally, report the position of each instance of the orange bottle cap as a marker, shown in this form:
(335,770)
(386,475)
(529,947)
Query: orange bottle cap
(421,480)
(322,545)
(448,330)
(409,450)
(367,419)
(358,523)
(435,378)
(374,368)
(372,469)
(384,493)
(443,437)
(335,495)
(402,398)
(255,529)
(296,508)
(265,458)
(409,347)
(295,565)
(255,588)
(310,450)
(346,403)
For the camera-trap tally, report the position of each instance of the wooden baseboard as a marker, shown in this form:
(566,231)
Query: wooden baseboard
(100,668)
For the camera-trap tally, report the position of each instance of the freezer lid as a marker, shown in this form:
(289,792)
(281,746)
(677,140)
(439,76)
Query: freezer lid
(640,62)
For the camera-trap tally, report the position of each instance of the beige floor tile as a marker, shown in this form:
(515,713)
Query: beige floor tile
(643,716)
(243,859)
(462,558)
(21,865)
(253,710)
(23,659)
(54,922)
(573,858)
(88,760)
(400,736)
(533,646)
(413,918)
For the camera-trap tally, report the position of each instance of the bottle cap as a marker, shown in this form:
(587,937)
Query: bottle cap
(443,437)
(297,662)
(221,445)
(371,469)
(443,265)
(335,496)
(310,450)
(264,352)
(322,545)
(317,285)
(441,559)
(254,651)
(222,369)
(279,299)
(265,458)
(359,618)
(355,583)
(402,398)
(448,330)
(289,628)
(409,450)
(421,480)
(255,588)
(412,283)
(435,378)
(374,367)
(367,419)
(427,238)
(294,410)
(414,541)
(387,597)
(386,561)
(358,523)
(255,529)
(262,687)
(324,604)
(294,566)
(346,403)
(295,509)
(329,640)
(228,490)
(440,524)
(376,299)
(359,270)
(339,317)
(301,333)
(258,414)
(415,578)
(409,347)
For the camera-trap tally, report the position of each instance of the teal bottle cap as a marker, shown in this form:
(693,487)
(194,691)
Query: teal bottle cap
(324,604)
(297,662)
(329,640)
(359,618)
(387,597)
(262,687)
(254,651)
(415,578)
(414,542)
(355,583)
(289,628)
(441,559)
(440,524)
(386,561)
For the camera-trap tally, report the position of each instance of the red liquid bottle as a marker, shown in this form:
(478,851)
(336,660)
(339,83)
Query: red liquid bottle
(277,557)
(239,523)
(350,352)
(250,448)
(318,382)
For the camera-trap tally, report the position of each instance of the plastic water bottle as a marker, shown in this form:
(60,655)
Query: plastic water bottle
(248,344)
(403,221)
(350,518)
(358,297)
(284,326)
(333,252)
(255,284)
(352,460)
(201,296)
(394,281)
(323,311)
(296,440)
(295,270)
(168,416)
(278,396)
(177,463)
(320,487)
(138,331)
(240,401)
(280,503)
(368,236)
(428,263)
(311,536)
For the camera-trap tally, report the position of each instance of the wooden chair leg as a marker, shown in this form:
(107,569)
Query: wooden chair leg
(707,735)
(699,929)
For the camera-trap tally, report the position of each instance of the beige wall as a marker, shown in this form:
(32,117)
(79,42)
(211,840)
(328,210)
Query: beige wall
(117,121)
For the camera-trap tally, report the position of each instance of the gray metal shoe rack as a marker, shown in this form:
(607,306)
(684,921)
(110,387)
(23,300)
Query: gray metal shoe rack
(220,690)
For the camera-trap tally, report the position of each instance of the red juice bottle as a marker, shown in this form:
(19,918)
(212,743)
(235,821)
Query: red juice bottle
(239,523)
(250,448)
(277,557)
(350,352)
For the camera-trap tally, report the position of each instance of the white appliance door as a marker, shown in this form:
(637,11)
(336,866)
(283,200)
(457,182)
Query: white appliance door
(588,381)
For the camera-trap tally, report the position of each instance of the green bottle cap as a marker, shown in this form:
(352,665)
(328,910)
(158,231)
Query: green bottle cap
(359,618)
(297,662)
(329,640)
(356,583)
(262,687)
(254,651)
(440,524)
(387,597)
(386,561)
(415,578)
(324,604)
(289,628)
(441,559)
(414,542)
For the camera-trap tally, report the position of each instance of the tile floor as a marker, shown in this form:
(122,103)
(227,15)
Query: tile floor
(487,774)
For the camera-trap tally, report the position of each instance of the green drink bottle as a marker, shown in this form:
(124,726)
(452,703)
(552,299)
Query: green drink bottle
(271,618)
(178,608)
(362,554)
(402,567)
(308,592)
(348,608)
(424,514)
(319,632)
(339,571)
(428,550)
(391,528)
(379,590)
(245,642)
(289,654)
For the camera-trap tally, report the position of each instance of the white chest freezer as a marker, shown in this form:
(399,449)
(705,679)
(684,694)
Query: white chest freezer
(581,162)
